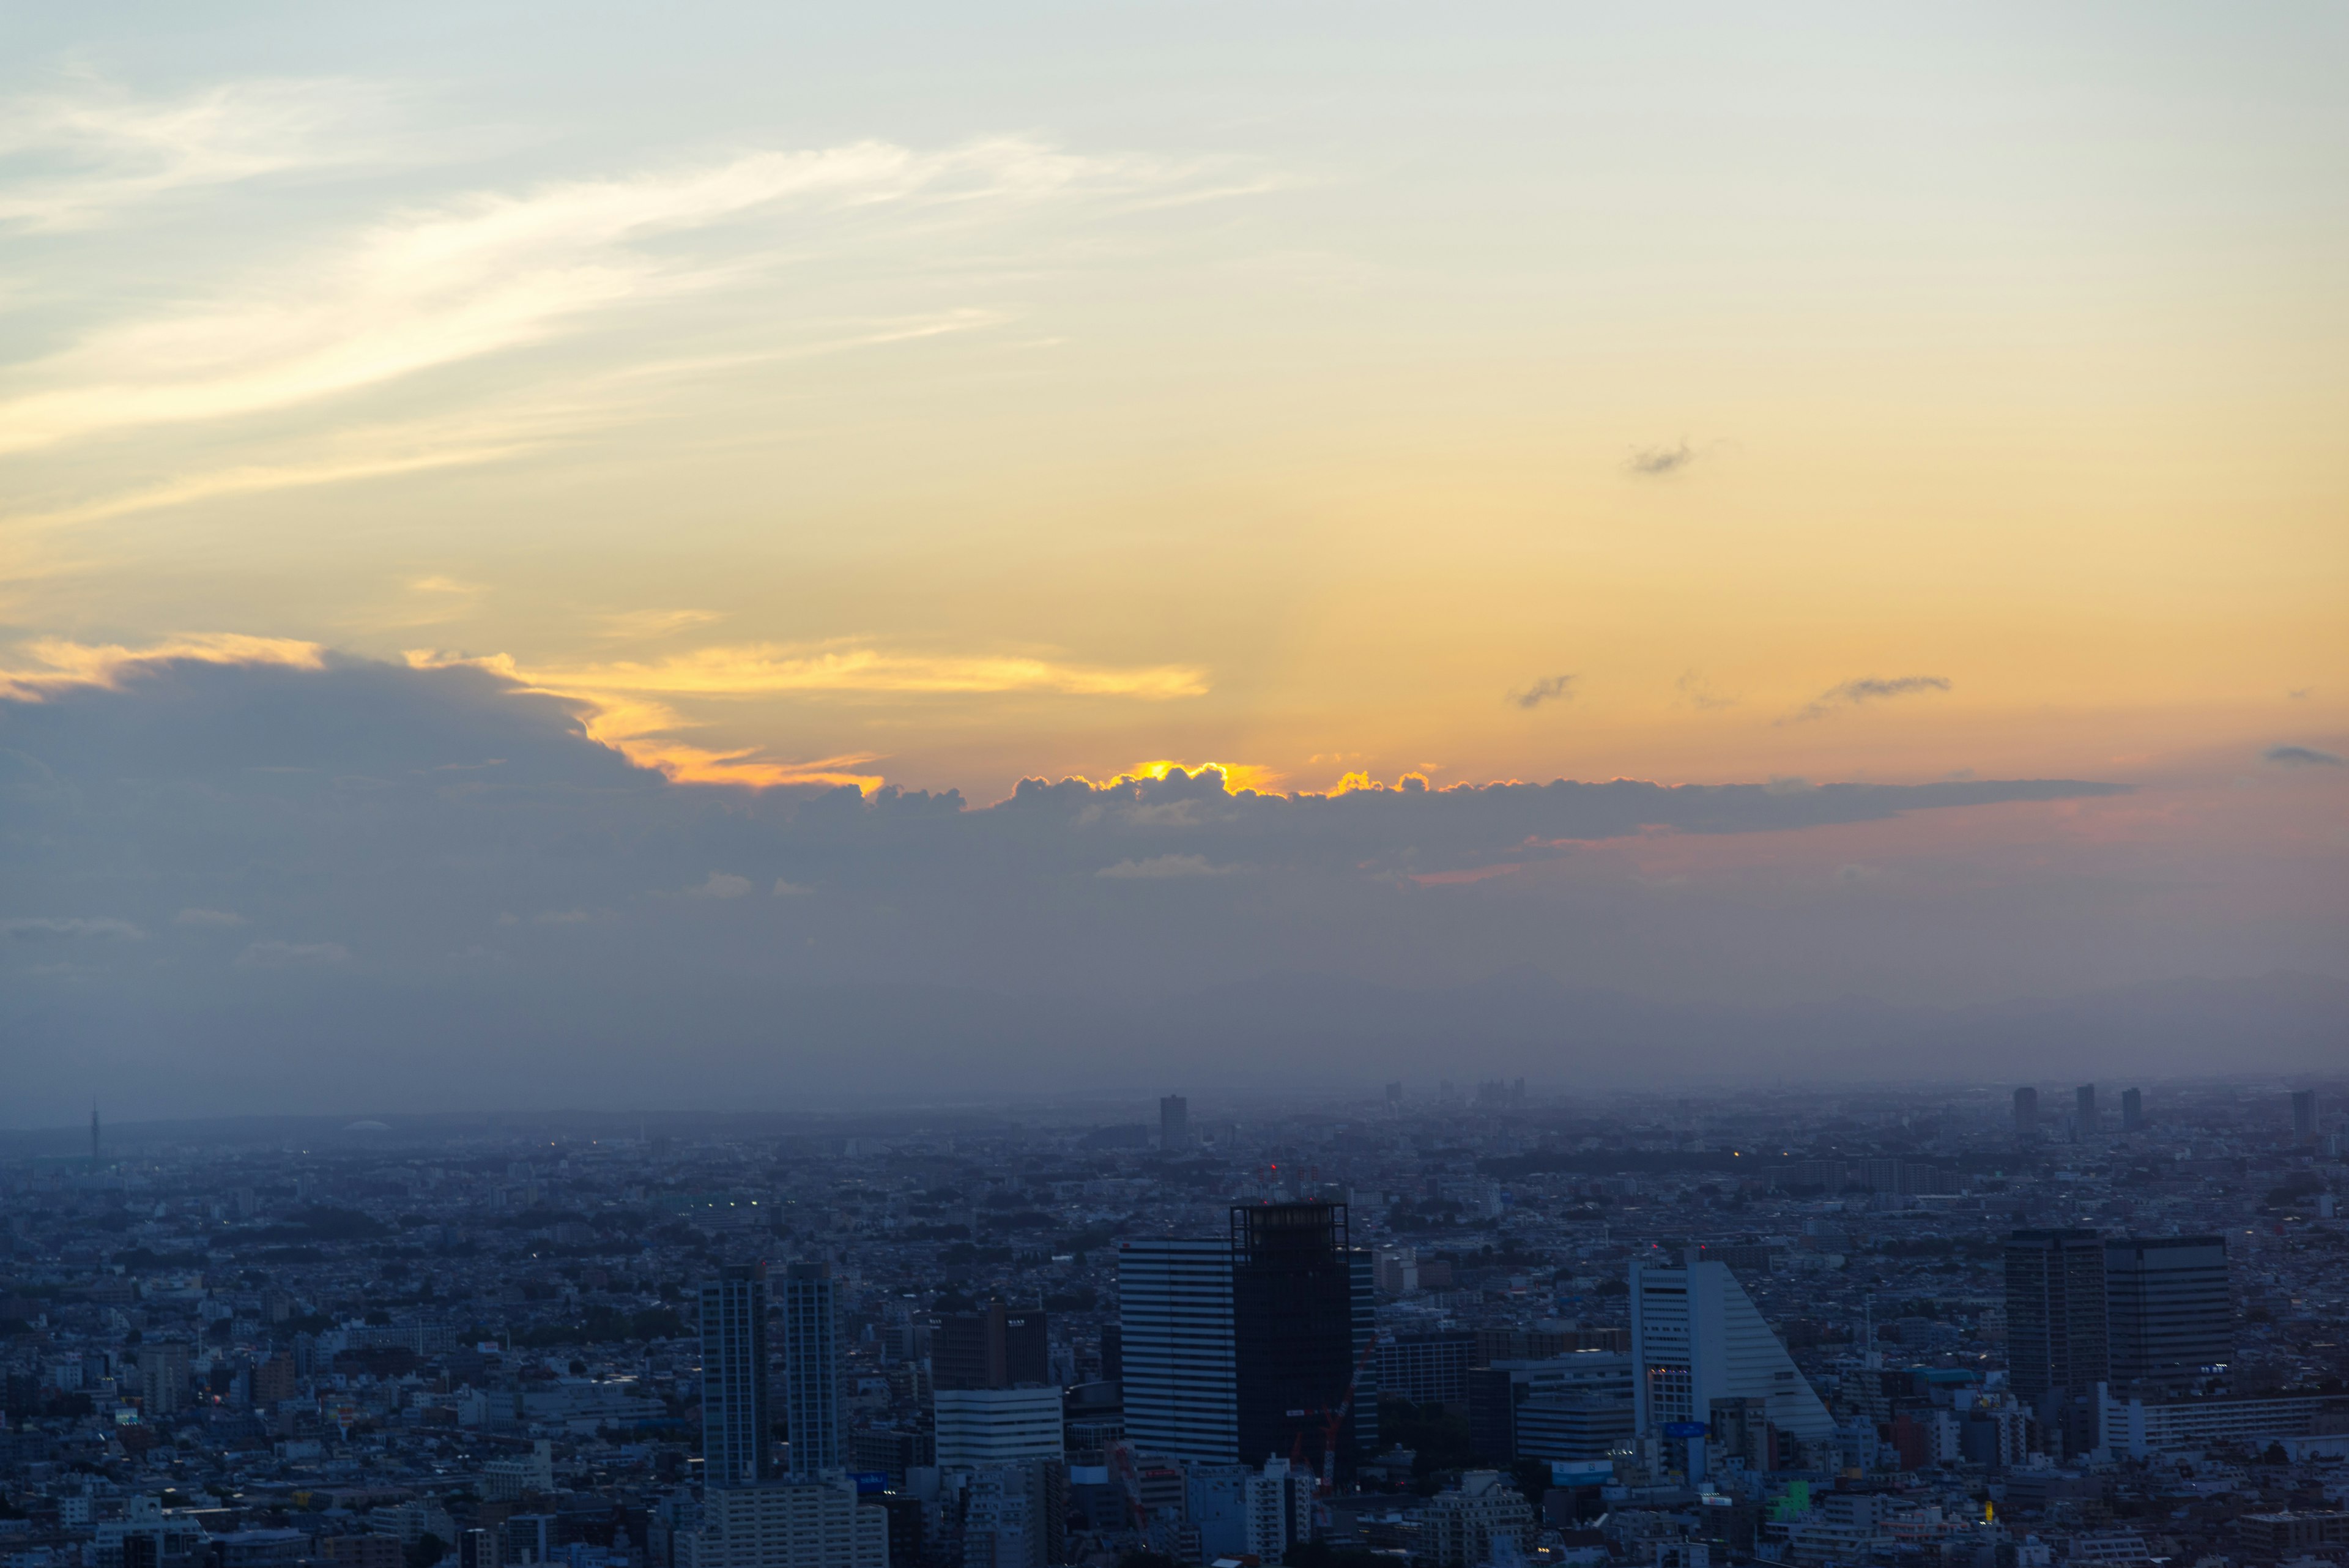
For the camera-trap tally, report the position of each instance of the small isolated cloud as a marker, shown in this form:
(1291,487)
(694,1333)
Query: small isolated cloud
(208,918)
(52,927)
(787,888)
(1698,692)
(293,955)
(1550,688)
(2299,757)
(437,584)
(570,917)
(1159,867)
(1855,872)
(721,884)
(1869,689)
(2300,693)
(1659,462)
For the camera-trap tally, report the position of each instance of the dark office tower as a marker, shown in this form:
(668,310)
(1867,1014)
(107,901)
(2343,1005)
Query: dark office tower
(2026,1114)
(737,1429)
(2169,1314)
(2303,1117)
(1173,1123)
(2084,1107)
(1112,1343)
(811,1368)
(993,1347)
(2132,1110)
(2054,1312)
(478,1548)
(1301,1319)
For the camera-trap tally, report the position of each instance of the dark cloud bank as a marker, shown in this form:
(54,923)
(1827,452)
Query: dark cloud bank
(228,888)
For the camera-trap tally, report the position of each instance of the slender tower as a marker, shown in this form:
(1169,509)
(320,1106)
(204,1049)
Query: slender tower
(93,1135)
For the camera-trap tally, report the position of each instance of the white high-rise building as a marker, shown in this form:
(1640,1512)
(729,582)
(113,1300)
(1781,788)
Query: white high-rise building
(980,1427)
(1697,1337)
(1175,1309)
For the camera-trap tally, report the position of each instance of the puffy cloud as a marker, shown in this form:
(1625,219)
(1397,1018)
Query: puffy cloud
(1660,461)
(329,794)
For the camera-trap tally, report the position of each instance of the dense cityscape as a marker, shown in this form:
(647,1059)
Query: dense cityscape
(1451,1326)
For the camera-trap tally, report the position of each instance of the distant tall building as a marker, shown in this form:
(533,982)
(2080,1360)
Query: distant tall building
(1697,1337)
(811,1368)
(94,1144)
(736,1427)
(2056,1333)
(2084,1107)
(1247,1343)
(995,1347)
(1173,1123)
(2303,1117)
(2168,1310)
(163,1374)
(2132,1110)
(2026,1112)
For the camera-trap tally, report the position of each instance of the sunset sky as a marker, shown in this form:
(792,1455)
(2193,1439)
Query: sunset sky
(944,396)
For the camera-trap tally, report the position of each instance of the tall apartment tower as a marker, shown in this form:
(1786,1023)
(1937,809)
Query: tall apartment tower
(2026,1114)
(1173,1123)
(2168,1310)
(2303,1117)
(736,1427)
(811,1368)
(1697,1338)
(2055,1334)
(2084,1107)
(1302,1316)
(2132,1110)
(1244,1346)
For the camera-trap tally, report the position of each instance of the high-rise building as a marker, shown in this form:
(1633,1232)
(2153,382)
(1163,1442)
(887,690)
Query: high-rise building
(994,1346)
(811,1368)
(163,1373)
(2084,1109)
(1302,1316)
(2056,1333)
(2168,1312)
(2303,1117)
(1174,1347)
(1250,1344)
(1173,1123)
(1697,1337)
(736,1427)
(977,1427)
(2132,1110)
(2026,1112)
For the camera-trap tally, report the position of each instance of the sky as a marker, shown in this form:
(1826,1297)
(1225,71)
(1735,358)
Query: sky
(659,431)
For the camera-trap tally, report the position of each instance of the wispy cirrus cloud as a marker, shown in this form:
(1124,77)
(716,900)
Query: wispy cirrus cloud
(51,928)
(64,666)
(91,151)
(494,271)
(1869,689)
(629,705)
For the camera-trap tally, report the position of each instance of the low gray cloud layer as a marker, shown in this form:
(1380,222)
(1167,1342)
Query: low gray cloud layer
(2300,757)
(220,873)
